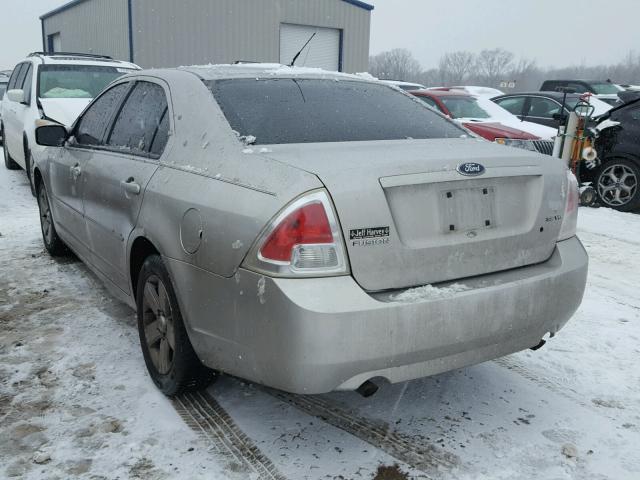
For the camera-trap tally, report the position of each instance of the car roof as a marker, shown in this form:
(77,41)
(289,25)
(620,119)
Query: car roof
(269,70)
(441,93)
(400,82)
(582,80)
(79,59)
(542,93)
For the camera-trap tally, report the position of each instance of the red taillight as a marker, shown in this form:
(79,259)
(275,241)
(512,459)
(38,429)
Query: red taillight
(307,225)
(570,219)
(573,196)
(303,240)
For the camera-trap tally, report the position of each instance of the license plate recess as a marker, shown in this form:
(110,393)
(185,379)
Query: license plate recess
(466,209)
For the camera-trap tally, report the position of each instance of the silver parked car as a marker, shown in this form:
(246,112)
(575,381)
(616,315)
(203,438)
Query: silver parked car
(306,230)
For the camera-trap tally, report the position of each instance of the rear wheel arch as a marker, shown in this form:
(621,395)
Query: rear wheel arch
(141,249)
(37,178)
(9,162)
(613,156)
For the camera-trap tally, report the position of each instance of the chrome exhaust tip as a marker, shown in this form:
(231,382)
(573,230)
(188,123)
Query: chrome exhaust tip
(367,389)
(538,346)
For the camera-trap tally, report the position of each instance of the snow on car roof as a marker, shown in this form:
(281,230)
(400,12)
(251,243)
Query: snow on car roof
(440,93)
(262,70)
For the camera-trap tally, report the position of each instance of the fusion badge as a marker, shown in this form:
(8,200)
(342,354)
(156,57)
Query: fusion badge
(370,236)
(471,169)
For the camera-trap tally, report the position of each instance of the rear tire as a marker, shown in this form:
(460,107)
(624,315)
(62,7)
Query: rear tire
(54,245)
(8,161)
(171,361)
(618,184)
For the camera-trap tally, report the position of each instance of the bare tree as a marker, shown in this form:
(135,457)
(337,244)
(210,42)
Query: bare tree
(397,64)
(526,74)
(455,67)
(492,65)
(430,78)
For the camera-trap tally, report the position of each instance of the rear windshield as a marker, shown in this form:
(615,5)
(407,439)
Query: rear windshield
(604,88)
(285,110)
(464,107)
(75,81)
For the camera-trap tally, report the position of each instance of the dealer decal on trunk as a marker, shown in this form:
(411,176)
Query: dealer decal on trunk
(369,236)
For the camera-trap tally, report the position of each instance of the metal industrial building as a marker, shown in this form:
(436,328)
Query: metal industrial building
(169,33)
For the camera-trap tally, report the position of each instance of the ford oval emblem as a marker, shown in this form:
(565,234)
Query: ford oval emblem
(471,169)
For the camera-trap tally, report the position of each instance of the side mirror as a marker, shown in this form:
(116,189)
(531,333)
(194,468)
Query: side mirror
(51,135)
(16,95)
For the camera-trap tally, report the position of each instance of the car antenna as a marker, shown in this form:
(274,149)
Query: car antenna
(293,62)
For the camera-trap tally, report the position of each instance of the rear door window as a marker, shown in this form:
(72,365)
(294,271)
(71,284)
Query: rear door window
(289,110)
(161,136)
(92,126)
(543,108)
(142,125)
(514,105)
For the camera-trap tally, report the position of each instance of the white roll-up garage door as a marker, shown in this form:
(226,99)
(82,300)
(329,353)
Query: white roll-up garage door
(322,52)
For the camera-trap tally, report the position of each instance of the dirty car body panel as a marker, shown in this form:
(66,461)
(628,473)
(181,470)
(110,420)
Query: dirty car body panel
(403,214)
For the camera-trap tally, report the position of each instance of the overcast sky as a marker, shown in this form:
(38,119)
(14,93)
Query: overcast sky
(554,32)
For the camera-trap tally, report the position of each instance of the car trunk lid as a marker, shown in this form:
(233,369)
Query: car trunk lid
(410,218)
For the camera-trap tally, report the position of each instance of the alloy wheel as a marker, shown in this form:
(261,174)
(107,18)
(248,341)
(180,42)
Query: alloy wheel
(617,185)
(158,324)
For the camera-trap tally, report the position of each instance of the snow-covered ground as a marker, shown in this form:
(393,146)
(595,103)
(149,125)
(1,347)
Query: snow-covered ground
(76,402)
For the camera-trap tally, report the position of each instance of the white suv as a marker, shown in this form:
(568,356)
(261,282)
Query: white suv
(50,86)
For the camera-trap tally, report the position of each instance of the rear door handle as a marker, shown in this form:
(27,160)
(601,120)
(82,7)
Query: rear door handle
(130,186)
(76,171)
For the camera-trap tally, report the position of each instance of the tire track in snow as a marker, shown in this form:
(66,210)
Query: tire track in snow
(556,387)
(415,452)
(204,415)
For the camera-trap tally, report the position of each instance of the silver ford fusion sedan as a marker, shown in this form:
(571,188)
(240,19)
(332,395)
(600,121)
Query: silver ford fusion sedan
(306,230)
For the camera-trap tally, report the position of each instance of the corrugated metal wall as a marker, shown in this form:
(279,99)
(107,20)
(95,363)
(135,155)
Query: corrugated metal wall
(95,26)
(168,33)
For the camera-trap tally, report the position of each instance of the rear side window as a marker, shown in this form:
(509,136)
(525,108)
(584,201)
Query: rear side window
(578,87)
(14,76)
(550,86)
(21,75)
(26,86)
(288,110)
(93,124)
(141,126)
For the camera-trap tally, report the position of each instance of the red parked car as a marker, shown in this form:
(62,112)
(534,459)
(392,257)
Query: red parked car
(464,109)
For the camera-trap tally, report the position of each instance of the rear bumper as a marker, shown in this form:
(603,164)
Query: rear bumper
(318,335)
